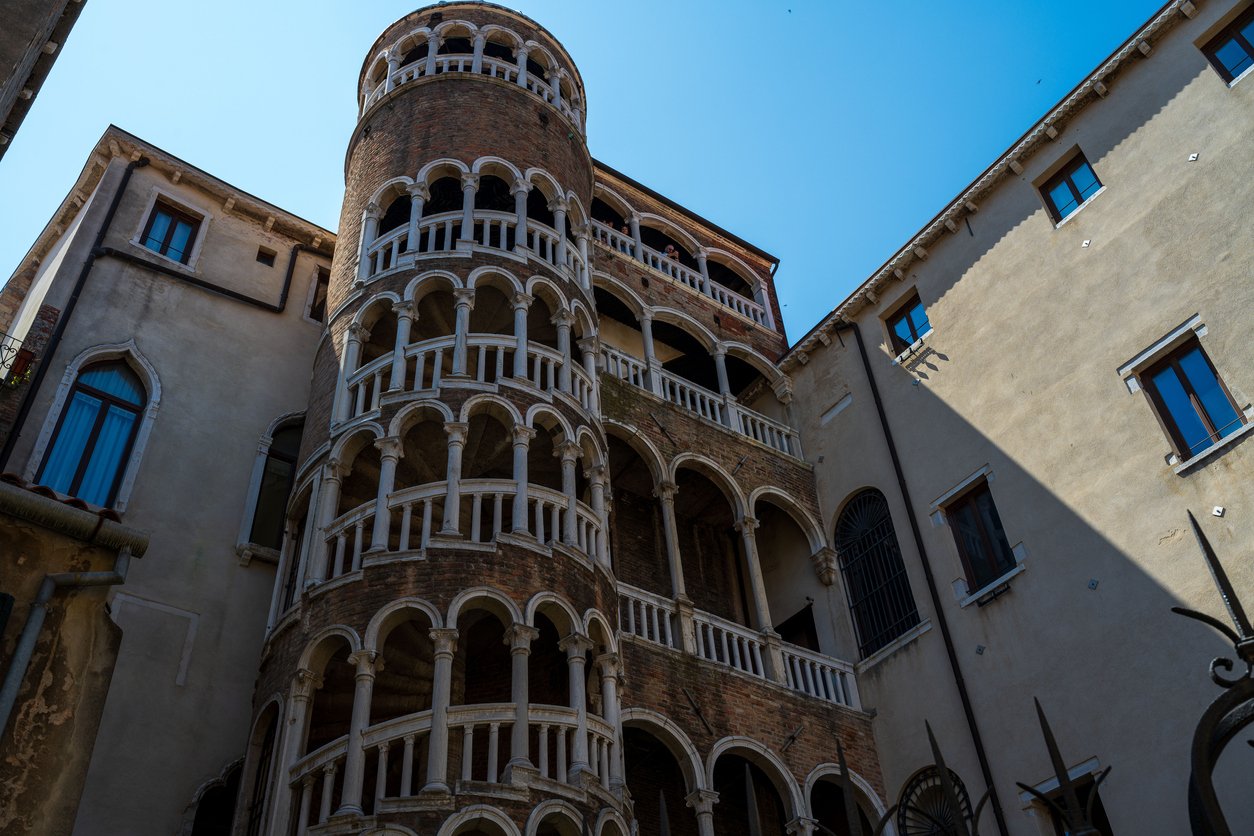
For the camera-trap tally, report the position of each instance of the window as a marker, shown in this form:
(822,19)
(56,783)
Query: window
(318,305)
(1193,404)
(908,325)
(170,232)
(94,434)
(982,543)
(1067,190)
(875,577)
(276,486)
(1232,50)
(1086,789)
(265,256)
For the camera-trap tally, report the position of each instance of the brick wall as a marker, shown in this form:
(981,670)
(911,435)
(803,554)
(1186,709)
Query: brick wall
(36,341)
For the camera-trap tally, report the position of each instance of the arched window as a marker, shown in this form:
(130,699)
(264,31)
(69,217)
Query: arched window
(875,577)
(95,433)
(276,486)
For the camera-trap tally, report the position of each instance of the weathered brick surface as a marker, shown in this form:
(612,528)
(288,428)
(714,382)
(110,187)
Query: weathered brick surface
(36,341)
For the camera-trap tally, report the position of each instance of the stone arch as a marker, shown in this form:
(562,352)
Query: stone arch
(547,289)
(688,324)
(665,226)
(861,785)
(736,265)
(409,415)
(509,283)
(624,294)
(553,808)
(593,451)
(643,447)
(770,763)
(441,29)
(804,520)
(545,182)
(715,473)
(674,739)
(320,646)
(490,29)
(486,598)
(613,199)
(551,604)
(577,213)
(611,823)
(595,622)
(536,48)
(756,359)
(394,613)
(479,813)
(499,407)
(543,410)
(429,281)
(411,40)
(374,308)
(585,321)
(498,166)
(389,830)
(267,723)
(347,446)
(214,797)
(443,167)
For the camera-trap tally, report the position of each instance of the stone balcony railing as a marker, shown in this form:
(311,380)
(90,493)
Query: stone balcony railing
(720,409)
(656,619)
(684,276)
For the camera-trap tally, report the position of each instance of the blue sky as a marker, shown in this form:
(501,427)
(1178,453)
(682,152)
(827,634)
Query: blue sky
(825,132)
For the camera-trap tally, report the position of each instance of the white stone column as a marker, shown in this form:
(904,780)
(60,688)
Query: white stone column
(287,553)
(470,185)
(332,478)
(568,452)
(369,232)
(390,452)
(665,492)
(394,60)
(519,638)
(522,303)
(634,220)
(761,609)
(652,366)
(406,313)
(720,367)
(464,300)
(453,497)
(558,208)
(555,83)
(562,320)
(596,480)
(703,801)
(522,65)
(476,64)
(577,647)
(433,46)
(354,761)
(609,667)
(589,348)
(522,442)
(418,197)
(704,266)
(520,191)
(445,641)
(585,270)
(353,338)
(288,748)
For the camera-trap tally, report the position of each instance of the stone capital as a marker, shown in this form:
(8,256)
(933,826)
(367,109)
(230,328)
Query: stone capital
(520,185)
(563,316)
(523,300)
(665,490)
(568,451)
(702,801)
(558,205)
(701,252)
(335,471)
(575,645)
(419,190)
(719,350)
(609,664)
(464,296)
(518,638)
(826,565)
(747,525)
(783,389)
(595,473)
(373,210)
(523,436)
(456,431)
(364,660)
(390,446)
(445,640)
(405,309)
(305,683)
(590,345)
(470,181)
(358,332)
(801,826)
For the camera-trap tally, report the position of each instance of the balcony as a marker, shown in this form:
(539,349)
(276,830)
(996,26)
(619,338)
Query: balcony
(723,410)
(655,619)
(684,276)
(439,234)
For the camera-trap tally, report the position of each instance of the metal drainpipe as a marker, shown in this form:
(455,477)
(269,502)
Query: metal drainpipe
(963,695)
(35,622)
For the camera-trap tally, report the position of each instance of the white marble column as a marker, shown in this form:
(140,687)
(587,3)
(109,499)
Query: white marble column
(390,452)
(558,208)
(577,647)
(522,65)
(418,197)
(519,638)
(522,303)
(568,452)
(589,348)
(520,191)
(433,47)
(703,801)
(634,220)
(555,83)
(476,64)
(406,313)
(453,497)
(464,300)
(353,338)
(585,270)
(596,481)
(470,185)
(720,367)
(652,366)
(610,668)
(354,761)
(394,61)
(332,478)
(761,609)
(369,231)
(562,320)
(665,492)
(290,746)
(703,265)
(522,443)
(445,641)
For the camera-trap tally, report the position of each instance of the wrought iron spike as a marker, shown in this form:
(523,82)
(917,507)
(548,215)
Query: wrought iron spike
(1208,620)
(846,788)
(947,786)
(1217,573)
(1070,799)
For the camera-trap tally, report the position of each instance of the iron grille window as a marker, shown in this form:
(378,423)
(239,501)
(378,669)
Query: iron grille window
(1231,52)
(170,232)
(1191,400)
(982,543)
(875,577)
(1069,188)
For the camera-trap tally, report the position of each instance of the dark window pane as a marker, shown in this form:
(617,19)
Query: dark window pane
(1214,400)
(875,578)
(107,456)
(276,482)
(1180,409)
(1064,202)
(967,529)
(1085,181)
(1002,560)
(67,450)
(117,380)
(1233,57)
(902,329)
(156,233)
(179,242)
(918,318)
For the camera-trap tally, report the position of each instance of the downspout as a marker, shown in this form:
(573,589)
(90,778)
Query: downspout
(41,369)
(35,621)
(963,695)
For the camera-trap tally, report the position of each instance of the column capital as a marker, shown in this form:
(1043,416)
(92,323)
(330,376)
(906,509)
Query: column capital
(558,205)
(719,350)
(373,210)
(746,525)
(702,801)
(523,51)
(575,645)
(589,344)
(390,446)
(445,639)
(419,190)
(665,490)
(701,252)
(595,473)
(568,451)
(480,36)
(783,390)
(826,565)
(609,664)
(563,316)
(523,300)
(470,181)
(456,431)
(405,309)
(334,471)
(523,436)
(464,296)
(365,662)
(520,185)
(518,637)
(646,317)
(305,683)
(634,217)
(801,826)
(357,332)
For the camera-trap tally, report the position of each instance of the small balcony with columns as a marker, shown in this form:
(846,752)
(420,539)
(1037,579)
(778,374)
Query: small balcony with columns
(487,52)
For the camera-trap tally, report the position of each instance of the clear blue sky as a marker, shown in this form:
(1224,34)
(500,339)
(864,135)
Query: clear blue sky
(826,132)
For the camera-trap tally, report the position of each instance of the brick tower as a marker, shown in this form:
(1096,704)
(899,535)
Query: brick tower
(471,632)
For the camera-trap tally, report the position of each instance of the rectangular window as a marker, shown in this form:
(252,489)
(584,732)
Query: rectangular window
(170,232)
(265,256)
(1067,190)
(1231,52)
(1195,407)
(908,325)
(318,305)
(982,543)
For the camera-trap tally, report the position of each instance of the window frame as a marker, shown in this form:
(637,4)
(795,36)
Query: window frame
(1229,31)
(1062,175)
(93,436)
(176,213)
(1170,359)
(314,284)
(962,498)
(901,312)
(245,547)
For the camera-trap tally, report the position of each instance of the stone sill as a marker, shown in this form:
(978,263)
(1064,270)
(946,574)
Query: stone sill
(890,649)
(1215,449)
